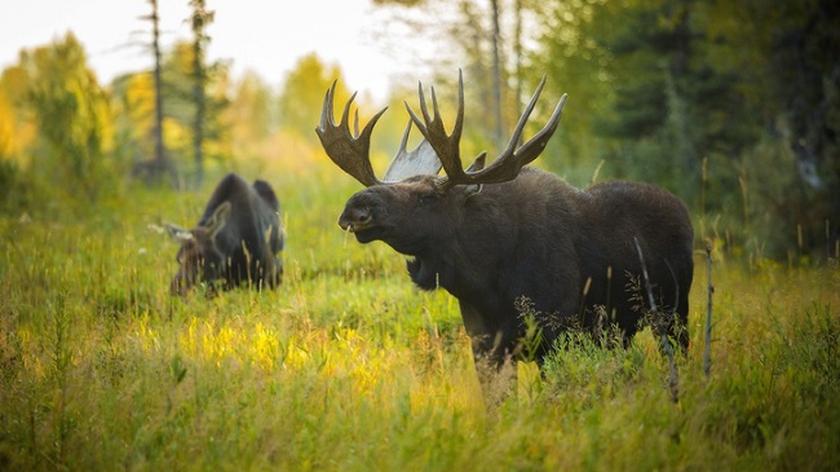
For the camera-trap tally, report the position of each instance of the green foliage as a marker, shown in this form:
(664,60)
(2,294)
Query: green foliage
(178,79)
(731,105)
(132,96)
(348,366)
(72,115)
(14,194)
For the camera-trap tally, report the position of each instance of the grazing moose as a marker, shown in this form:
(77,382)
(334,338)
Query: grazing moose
(493,235)
(235,242)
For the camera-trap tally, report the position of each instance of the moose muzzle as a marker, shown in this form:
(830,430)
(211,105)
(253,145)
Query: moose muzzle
(355,218)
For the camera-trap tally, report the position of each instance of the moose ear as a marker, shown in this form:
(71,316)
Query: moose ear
(478,163)
(218,219)
(178,233)
(472,190)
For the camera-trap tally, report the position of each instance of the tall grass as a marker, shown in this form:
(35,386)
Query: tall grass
(347,366)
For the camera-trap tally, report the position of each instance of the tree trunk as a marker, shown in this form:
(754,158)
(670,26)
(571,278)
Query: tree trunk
(200,105)
(161,161)
(200,18)
(497,75)
(517,51)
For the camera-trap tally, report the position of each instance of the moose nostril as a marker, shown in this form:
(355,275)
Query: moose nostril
(354,217)
(361,215)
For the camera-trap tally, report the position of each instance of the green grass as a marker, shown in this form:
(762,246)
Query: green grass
(348,366)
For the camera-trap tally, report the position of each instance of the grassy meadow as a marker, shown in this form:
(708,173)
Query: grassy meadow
(347,366)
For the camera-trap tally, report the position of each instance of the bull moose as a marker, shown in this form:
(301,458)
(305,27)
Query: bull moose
(492,235)
(236,241)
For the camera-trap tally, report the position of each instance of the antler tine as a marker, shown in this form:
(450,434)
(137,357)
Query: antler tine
(356,124)
(368,129)
(404,141)
(346,113)
(435,105)
(532,149)
(327,109)
(459,117)
(417,122)
(348,151)
(423,108)
(332,101)
(523,119)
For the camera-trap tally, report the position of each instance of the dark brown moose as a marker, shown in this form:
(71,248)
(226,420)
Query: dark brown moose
(502,237)
(236,241)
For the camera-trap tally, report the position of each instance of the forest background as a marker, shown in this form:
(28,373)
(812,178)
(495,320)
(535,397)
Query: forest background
(732,106)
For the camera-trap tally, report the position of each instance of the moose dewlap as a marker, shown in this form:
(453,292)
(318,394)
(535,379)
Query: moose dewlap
(493,235)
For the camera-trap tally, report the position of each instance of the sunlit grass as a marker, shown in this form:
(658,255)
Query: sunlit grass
(347,366)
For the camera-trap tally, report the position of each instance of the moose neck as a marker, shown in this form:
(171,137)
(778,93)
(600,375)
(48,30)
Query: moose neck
(449,266)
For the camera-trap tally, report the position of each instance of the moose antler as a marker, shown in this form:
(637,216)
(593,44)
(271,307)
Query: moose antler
(351,152)
(507,165)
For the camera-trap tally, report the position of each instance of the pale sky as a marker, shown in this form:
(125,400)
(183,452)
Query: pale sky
(261,35)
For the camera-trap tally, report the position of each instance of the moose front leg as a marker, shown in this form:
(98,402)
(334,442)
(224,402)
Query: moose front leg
(493,363)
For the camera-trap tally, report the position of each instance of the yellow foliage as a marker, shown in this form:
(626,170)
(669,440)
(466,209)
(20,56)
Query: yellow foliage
(17,132)
(528,381)
(177,136)
(140,102)
(264,347)
(146,337)
(7,119)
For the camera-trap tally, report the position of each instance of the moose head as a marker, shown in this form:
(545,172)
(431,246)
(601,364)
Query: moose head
(199,258)
(412,209)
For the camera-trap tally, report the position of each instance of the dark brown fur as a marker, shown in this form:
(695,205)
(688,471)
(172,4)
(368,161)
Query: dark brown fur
(535,237)
(242,248)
